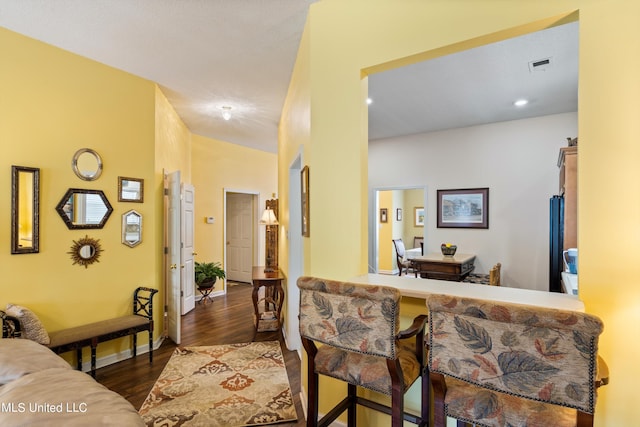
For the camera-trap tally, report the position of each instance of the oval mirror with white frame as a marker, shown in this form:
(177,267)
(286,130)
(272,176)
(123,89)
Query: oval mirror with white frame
(25,210)
(87,164)
(131,228)
(82,209)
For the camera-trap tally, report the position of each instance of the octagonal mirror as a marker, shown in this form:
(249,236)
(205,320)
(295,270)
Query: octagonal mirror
(131,228)
(83,209)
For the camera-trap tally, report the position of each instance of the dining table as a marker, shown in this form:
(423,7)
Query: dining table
(444,267)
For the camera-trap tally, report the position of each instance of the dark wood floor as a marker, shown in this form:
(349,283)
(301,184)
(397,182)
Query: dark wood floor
(225,321)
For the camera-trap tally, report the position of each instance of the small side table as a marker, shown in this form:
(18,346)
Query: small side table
(273,299)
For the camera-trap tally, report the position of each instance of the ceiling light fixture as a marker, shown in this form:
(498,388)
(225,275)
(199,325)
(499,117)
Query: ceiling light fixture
(369,101)
(521,102)
(226,112)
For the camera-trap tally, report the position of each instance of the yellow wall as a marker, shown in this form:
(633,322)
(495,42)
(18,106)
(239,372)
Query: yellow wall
(293,137)
(218,166)
(345,38)
(172,153)
(386,251)
(54,103)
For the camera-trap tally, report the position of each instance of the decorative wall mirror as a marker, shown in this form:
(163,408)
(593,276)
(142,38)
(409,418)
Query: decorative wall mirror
(130,189)
(81,208)
(85,251)
(131,228)
(87,164)
(25,210)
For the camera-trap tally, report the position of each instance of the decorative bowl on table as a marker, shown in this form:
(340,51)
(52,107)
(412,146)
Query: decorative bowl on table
(448,249)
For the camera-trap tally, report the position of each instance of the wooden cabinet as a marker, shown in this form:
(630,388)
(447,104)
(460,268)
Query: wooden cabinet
(568,164)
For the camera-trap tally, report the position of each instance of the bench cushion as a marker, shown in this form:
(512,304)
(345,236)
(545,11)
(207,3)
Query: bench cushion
(97,329)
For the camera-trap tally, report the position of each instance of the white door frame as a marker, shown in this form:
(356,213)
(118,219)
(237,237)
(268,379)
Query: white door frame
(296,257)
(254,234)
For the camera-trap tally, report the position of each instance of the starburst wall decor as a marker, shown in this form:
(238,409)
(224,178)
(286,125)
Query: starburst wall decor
(85,251)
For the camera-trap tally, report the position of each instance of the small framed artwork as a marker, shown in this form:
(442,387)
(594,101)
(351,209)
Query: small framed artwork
(418,216)
(130,189)
(304,192)
(383,215)
(399,214)
(463,208)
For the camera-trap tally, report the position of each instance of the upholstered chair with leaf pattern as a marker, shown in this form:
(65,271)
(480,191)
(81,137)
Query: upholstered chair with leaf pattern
(499,364)
(357,328)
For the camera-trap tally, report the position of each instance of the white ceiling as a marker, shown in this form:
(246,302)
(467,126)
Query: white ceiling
(478,86)
(206,54)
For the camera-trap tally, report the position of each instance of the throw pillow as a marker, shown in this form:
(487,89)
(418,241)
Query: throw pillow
(32,328)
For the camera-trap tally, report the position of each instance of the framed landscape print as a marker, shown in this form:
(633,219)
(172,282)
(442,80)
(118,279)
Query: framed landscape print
(464,208)
(418,216)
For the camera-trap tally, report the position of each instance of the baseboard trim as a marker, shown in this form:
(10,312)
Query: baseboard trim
(303,402)
(119,357)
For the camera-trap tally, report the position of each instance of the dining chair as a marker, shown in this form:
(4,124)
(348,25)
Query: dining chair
(503,364)
(357,326)
(403,263)
(493,278)
(417,241)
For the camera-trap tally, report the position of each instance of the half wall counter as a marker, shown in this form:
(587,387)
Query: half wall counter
(421,288)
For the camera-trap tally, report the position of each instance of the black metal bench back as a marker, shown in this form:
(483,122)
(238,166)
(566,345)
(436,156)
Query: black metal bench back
(143,302)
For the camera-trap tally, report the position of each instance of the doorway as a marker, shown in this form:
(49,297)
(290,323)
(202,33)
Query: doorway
(391,216)
(296,257)
(240,229)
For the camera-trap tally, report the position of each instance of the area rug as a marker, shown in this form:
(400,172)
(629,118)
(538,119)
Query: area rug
(222,385)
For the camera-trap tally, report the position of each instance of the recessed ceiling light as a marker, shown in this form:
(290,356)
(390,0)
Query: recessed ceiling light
(521,102)
(226,112)
(369,101)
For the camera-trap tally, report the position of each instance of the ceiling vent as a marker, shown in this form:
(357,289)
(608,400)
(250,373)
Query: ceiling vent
(540,65)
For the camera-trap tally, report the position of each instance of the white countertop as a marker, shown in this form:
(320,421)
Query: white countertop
(421,288)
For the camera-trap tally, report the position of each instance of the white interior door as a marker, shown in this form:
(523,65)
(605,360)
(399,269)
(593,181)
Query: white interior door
(240,231)
(187,266)
(173,251)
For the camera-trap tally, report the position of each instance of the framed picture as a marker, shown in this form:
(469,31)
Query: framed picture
(130,189)
(464,208)
(383,215)
(418,216)
(304,190)
(399,214)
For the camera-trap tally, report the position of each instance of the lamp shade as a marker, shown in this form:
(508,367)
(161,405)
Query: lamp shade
(268,217)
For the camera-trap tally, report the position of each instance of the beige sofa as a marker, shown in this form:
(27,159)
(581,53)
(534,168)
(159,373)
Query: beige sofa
(37,387)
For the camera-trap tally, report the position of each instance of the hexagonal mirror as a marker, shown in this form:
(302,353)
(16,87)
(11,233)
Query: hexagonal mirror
(131,228)
(83,209)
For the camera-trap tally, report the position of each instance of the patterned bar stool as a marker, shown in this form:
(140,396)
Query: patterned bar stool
(358,326)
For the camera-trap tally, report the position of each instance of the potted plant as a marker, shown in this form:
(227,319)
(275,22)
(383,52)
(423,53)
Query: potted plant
(206,273)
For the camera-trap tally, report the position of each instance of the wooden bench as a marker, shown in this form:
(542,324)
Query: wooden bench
(90,335)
